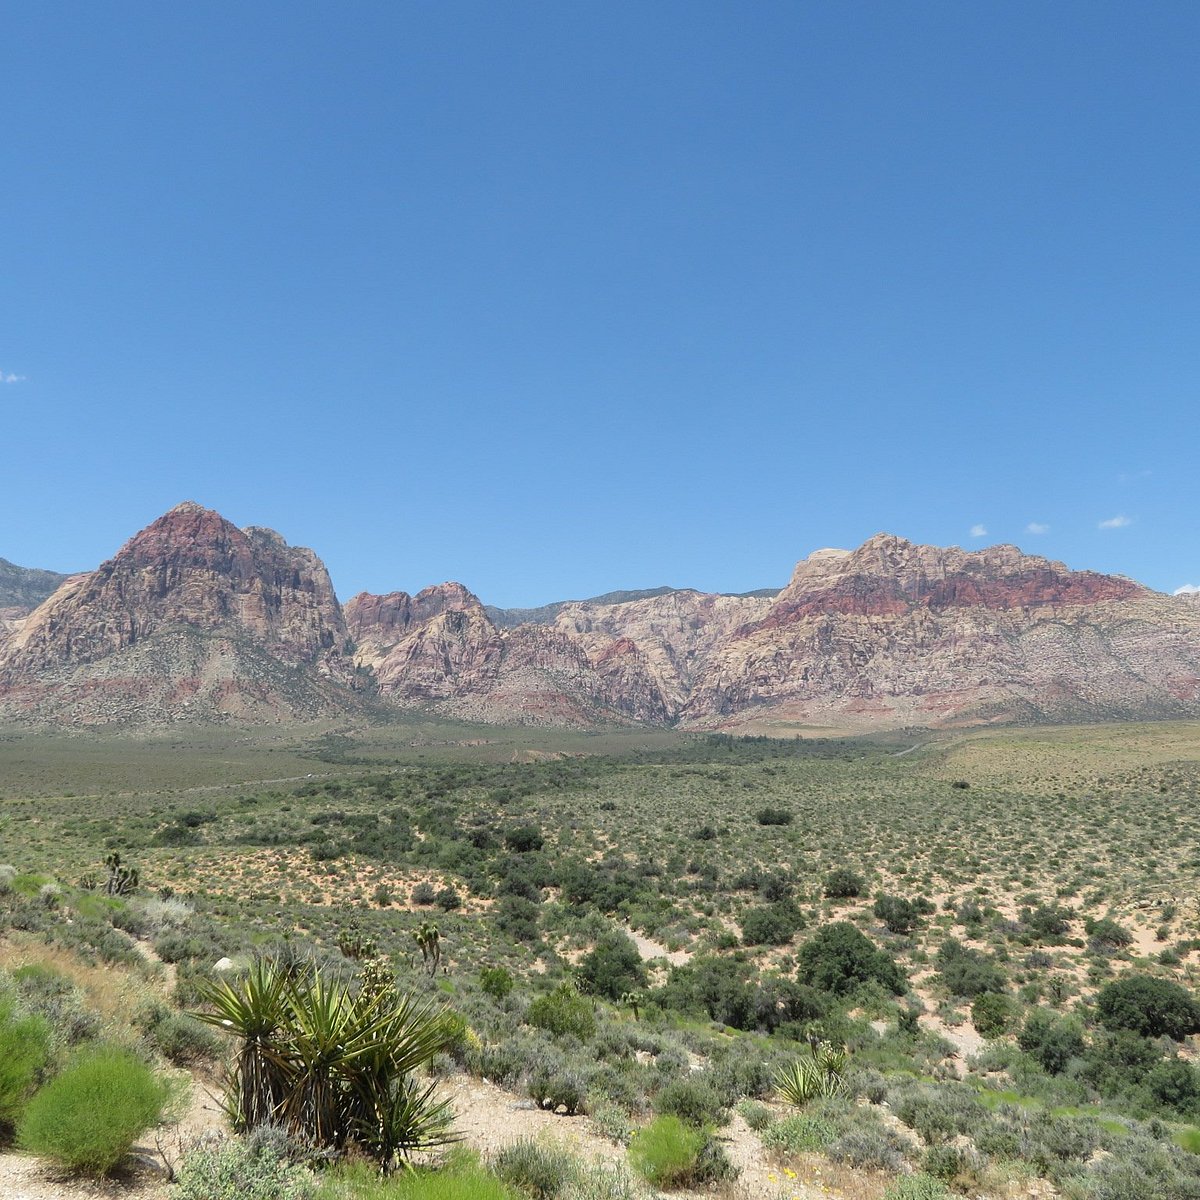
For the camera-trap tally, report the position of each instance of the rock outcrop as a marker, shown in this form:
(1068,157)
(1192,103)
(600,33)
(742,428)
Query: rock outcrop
(195,618)
(900,634)
(192,617)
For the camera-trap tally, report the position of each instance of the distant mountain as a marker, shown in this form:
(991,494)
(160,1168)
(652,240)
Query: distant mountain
(26,587)
(547,614)
(195,619)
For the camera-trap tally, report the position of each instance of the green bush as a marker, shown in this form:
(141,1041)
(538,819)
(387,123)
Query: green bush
(182,1039)
(771,924)
(918,1187)
(799,1134)
(992,1014)
(1053,1041)
(563,1011)
(24,1050)
(666,1151)
(87,1118)
(692,1100)
(539,1171)
(966,972)
(843,884)
(838,958)
(457,1181)
(612,968)
(1149,1006)
(250,1168)
(496,981)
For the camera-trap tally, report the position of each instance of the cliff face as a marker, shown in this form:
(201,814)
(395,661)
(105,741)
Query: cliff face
(440,648)
(197,619)
(191,616)
(895,633)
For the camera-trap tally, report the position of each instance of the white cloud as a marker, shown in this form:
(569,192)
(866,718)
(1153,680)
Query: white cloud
(1188,589)
(978,531)
(1037,527)
(9,377)
(1117,522)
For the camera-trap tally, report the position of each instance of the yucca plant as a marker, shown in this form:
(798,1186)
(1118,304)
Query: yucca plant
(333,1067)
(254,1011)
(818,1076)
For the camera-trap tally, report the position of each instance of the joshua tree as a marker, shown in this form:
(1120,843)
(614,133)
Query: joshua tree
(122,880)
(429,942)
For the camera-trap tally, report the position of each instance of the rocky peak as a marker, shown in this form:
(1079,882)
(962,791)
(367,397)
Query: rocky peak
(189,569)
(386,618)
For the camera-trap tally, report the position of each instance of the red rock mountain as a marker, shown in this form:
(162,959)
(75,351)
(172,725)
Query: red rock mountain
(196,618)
(192,617)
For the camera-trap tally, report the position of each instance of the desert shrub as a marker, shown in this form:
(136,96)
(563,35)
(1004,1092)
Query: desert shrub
(88,1117)
(423,894)
(1105,935)
(1174,1084)
(943,1162)
(535,1169)
(918,1187)
(992,1014)
(448,899)
(799,1134)
(771,924)
(938,1114)
(1149,1006)
(523,838)
(612,968)
(456,1181)
(1047,923)
(1051,1040)
(48,993)
(774,816)
(665,1152)
(251,1168)
(870,1147)
(757,1116)
(967,972)
(900,916)
(24,1050)
(843,884)
(838,959)
(819,1074)
(563,1011)
(693,1100)
(182,1039)
(552,1088)
(496,981)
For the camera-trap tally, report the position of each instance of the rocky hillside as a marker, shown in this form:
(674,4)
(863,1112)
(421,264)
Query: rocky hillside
(197,618)
(193,617)
(26,587)
(895,633)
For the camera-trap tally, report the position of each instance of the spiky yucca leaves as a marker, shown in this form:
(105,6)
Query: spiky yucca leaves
(821,1075)
(342,1062)
(253,1011)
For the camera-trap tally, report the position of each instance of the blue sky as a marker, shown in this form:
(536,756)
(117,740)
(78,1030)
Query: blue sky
(556,298)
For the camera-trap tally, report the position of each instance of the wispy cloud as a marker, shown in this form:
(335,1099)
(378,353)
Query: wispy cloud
(1117,522)
(1188,589)
(1132,476)
(9,377)
(1037,527)
(979,531)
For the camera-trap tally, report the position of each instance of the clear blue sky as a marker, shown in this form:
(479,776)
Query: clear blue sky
(556,298)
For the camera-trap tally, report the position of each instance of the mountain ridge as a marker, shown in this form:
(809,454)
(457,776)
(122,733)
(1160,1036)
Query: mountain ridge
(195,619)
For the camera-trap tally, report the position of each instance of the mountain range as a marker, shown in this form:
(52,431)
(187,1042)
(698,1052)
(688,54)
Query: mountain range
(195,619)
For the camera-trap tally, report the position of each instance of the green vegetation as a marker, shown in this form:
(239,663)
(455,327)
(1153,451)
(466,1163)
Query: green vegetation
(1023,1001)
(87,1118)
